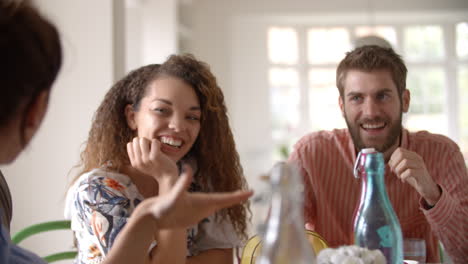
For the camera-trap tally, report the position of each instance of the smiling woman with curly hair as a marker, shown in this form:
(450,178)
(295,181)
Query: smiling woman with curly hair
(157,120)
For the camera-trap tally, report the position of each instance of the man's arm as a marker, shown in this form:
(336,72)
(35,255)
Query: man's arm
(449,216)
(445,203)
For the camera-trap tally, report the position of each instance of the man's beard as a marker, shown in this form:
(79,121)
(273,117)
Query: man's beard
(395,131)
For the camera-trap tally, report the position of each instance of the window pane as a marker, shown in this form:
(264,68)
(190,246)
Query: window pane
(427,111)
(327,45)
(282,45)
(422,43)
(324,110)
(284,101)
(463,114)
(283,77)
(462,40)
(386,32)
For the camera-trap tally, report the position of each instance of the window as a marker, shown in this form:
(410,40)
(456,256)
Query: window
(303,62)
(327,45)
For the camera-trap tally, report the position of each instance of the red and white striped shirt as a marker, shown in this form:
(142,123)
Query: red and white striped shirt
(326,159)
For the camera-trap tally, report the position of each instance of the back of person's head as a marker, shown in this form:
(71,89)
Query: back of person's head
(31,57)
(369,58)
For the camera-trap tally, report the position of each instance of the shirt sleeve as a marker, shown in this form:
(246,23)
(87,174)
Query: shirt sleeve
(449,217)
(5,202)
(216,234)
(298,158)
(12,254)
(102,208)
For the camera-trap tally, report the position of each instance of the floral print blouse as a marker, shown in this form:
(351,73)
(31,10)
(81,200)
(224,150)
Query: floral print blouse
(99,204)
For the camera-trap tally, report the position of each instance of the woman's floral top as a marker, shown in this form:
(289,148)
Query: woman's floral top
(101,201)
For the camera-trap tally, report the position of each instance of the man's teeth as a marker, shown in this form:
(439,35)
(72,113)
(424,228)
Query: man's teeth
(171,141)
(373,126)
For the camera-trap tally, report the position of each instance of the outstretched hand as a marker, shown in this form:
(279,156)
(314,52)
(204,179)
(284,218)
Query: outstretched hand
(175,209)
(181,209)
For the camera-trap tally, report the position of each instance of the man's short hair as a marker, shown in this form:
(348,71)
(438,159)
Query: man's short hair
(369,58)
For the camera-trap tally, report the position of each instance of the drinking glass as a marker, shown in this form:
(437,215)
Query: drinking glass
(414,249)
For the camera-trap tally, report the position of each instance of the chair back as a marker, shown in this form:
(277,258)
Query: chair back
(253,246)
(45,227)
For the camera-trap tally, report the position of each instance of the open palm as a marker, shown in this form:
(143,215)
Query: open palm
(180,209)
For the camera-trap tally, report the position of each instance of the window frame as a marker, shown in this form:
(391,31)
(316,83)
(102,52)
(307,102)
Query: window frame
(450,62)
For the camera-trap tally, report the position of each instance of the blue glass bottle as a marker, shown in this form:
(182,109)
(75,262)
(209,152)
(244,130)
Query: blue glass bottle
(376,225)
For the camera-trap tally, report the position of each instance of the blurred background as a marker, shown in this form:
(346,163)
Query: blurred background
(275,61)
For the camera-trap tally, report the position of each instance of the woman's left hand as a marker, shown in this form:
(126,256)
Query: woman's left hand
(147,157)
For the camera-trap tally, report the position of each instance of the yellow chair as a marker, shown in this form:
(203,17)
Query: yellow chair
(44,227)
(253,246)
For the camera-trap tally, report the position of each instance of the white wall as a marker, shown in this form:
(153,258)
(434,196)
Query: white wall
(151,31)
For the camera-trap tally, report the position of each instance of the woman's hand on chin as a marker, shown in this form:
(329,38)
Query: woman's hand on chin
(146,156)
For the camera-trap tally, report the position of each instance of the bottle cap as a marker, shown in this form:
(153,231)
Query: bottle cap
(356,164)
(368,150)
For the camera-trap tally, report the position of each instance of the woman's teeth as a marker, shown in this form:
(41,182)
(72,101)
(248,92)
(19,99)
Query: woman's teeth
(171,141)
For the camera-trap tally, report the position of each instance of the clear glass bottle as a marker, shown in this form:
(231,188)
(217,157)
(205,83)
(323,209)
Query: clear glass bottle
(376,225)
(284,241)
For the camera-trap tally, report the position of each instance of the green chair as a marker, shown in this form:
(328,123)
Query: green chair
(44,227)
(444,257)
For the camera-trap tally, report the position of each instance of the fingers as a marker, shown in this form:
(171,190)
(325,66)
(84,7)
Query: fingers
(227,200)
(403,167)
(139,151)
(155,149)
(222,200)
(136,148)
(130,153)
(134,152)
(183,182)
(401,154)
(395,158)
(402,160)
(407,176)
(144,145)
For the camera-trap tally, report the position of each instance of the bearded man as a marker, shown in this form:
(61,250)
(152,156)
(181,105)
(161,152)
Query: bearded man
(426,176)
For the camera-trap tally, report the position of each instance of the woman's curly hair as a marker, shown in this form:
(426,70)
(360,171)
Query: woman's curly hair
(219,168)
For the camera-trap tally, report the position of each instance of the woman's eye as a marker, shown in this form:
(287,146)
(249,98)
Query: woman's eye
(160,110)
(196,118)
